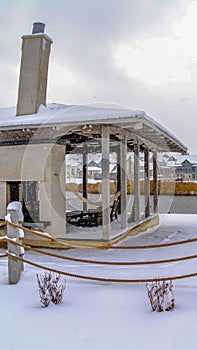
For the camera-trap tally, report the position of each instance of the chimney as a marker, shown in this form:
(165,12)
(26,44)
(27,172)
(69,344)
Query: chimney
(34,70)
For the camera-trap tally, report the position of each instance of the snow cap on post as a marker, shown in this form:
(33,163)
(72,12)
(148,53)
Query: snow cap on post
(17,207)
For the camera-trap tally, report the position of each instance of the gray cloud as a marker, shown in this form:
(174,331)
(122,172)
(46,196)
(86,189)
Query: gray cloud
(85,34)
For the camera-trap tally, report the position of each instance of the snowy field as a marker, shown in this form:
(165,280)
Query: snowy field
(98,315)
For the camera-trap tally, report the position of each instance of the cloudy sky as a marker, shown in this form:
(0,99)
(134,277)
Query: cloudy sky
(140,54)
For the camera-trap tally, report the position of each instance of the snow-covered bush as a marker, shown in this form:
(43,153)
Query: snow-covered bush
(161,295)
(50,288)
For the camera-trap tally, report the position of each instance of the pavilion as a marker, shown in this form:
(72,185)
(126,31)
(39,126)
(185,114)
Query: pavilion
(35,138)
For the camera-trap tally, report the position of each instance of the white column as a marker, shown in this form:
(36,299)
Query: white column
(105,183)
(123,181)
(84,179)
(136,183)
(146,183)
(155,183)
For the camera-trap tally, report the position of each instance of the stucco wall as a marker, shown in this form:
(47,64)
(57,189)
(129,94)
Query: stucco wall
(52,191)
(23,162)
(44,163)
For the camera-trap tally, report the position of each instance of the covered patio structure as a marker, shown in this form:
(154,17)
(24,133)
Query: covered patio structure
(118,131)
(35,138)
(37,149)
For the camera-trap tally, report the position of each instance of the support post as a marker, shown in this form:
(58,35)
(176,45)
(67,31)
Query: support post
(146,183)
(14,215)
(136,182)
(118,176)
(105,183)
(84,179)
(123,181)
(135,212)
(155,183)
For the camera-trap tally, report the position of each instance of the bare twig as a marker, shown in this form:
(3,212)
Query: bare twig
(161,296)
(50,288)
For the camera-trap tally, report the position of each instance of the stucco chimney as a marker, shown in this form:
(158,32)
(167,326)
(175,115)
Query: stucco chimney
(34,70)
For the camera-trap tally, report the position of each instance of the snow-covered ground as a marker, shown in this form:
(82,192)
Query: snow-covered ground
(97,315)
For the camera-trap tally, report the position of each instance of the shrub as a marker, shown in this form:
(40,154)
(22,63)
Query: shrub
(161,296)
(50,288)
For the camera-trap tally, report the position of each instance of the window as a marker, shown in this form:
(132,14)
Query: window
(30,201)
(13,191)
(25,192)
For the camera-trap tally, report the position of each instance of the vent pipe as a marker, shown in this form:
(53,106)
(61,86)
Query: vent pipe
(38,27)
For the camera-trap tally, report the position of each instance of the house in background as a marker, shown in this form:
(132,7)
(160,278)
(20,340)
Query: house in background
(166,164)
(74,168)
(186,167)
(170,166)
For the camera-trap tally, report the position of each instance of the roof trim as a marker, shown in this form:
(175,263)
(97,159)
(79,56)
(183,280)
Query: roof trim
(58,115)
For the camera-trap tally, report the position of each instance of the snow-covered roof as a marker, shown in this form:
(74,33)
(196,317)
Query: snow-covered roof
(171,163)
(191,158)
(73,163)
(94,168)
(59,115)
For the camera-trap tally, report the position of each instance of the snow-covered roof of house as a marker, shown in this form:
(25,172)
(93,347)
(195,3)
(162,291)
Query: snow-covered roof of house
(94,168)
(171,163)
(191,158)
(59,117)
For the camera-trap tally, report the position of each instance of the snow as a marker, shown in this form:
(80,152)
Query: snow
(68,114)
(63,113)
(20,233)
(191,158)
(8,217)
(16,206)
(97,315)
(37,35)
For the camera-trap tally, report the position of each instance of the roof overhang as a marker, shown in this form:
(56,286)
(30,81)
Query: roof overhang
(56,122)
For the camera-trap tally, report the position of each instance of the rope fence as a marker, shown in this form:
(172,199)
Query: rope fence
(15,257)
(3,255)
(160,245)
(105,245)
(102,279)
(3,223)
(99,262)
(102,245)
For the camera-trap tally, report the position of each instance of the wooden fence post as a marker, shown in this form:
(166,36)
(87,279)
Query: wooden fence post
(14,215)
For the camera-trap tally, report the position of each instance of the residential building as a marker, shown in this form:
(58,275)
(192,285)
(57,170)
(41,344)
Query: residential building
(186,167)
